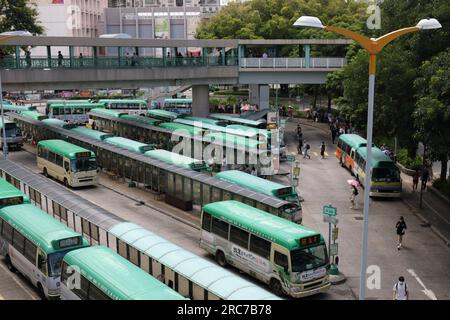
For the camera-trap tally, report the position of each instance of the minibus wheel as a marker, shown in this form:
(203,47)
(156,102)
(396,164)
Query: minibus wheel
(45,172)
(41,292)
(220,257)
(276,287)
(9,264)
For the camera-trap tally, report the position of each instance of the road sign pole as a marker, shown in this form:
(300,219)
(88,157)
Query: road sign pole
(329,243)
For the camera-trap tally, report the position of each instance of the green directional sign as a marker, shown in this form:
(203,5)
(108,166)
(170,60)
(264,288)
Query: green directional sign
(329,210)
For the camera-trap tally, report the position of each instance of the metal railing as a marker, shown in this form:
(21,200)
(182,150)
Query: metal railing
(113,62)
(286,63)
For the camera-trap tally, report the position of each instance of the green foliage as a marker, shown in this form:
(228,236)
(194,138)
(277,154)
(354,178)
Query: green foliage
(274,19)
(408,162)
(432,114)
(18,15)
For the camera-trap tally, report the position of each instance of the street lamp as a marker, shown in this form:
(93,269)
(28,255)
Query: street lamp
(373,46)
(3,37)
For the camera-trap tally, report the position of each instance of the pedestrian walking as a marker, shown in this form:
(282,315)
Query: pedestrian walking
(401,291)
(80,59)
(305,151)
(322,150)
(425,177)
(353,197)
(416,179)
(134,59)
(254,172)
(333,133)
(60,59)
(300,146)
(400,226)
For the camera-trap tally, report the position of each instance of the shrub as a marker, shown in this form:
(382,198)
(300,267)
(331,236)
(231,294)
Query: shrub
(405,160)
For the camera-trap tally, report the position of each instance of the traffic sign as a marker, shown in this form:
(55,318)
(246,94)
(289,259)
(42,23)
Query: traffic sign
(329,210)
(334,234)
(334,249)
(330,219)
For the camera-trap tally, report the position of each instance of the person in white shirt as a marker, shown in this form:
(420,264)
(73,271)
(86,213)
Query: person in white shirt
(401,291)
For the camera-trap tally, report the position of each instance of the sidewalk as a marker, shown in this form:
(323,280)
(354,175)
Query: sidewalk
(435,212)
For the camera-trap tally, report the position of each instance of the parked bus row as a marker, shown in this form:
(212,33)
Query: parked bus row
(352,154)
(191,276)
(179,186)
(60,263)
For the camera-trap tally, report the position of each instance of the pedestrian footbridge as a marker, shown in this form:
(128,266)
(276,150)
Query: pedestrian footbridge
(133,63)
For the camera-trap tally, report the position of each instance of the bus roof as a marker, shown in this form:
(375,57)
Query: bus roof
(11,107)
(254,183)
(34,115)
(63,148)
(163,114)
(129,144)
(179,126)
(43,230)
(8,191)
(236,119)
(353,140)
(103,101)
(117,277)
(62,101)
(248,129)
(108,112)
(227,138)
(261,223)
(94,134)
(214,128)
(379,158)
(141,119)
(217,280)
(205,120)
(175,100)
(177,159)
(58,123)
(75,105)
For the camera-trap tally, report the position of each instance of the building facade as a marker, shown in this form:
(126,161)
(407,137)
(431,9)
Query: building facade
(69,18)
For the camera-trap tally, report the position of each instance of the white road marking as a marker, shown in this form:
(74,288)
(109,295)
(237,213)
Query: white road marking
(430,294)
(18,283)
(326,154)
(315,153)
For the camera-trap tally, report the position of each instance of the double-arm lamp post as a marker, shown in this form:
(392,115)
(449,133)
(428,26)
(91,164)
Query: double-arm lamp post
(3,37)
(373,46)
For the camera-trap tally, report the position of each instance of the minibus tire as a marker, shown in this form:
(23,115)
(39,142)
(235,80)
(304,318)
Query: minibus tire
(220,258)
(9,265)
(41,292)
(66,183)
(45,172)
(276,287)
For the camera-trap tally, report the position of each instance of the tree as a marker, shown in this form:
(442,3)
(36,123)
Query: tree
(18,15)
(432,114)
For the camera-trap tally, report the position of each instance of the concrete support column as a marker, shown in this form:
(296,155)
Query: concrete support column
(95,54)
(223,56)
(17,57)
(232,57)
(259,94)
(241,53)
(264,93)
(307,49)
(49,57)
(164,57)
(200,100)
(71,57)
(205,56)
(119,55)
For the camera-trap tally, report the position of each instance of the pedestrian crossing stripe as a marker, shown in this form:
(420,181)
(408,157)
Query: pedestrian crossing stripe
(315,153)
